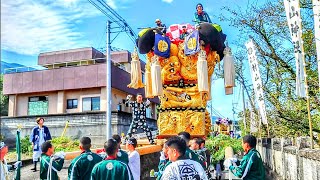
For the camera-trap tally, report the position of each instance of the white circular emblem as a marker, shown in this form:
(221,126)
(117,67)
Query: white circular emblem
(90,158)
(119,154)
(109,166)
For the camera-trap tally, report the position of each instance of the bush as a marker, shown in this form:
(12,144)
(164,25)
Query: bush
(218,144)
(26,145)
(65,144)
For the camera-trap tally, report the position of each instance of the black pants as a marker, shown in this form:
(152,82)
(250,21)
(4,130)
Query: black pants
(140,123)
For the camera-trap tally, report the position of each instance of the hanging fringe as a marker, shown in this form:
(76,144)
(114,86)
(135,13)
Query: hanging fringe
(228,67)
(202,72)
(156,77)
(148,85)
(136,77)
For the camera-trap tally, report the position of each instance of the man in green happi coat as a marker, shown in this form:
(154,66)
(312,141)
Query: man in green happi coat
(121,155)
(50,163)
(251,166)
(111,168)
(81,167)
(189,153)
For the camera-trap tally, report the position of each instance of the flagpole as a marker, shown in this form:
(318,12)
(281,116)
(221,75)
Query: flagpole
(308,98)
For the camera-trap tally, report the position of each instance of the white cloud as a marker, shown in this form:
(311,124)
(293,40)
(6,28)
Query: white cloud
(31,27)
(167,1)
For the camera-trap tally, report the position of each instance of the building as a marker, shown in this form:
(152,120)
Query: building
(73,82)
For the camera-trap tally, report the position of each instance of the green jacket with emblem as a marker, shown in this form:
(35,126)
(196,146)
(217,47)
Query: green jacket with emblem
(193,156)
(123,156)
(44,164)
(81,167)
(111,169)
(252,161)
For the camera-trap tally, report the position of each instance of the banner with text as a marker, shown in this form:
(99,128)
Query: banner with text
(256,79)
(316,15)
(294,22)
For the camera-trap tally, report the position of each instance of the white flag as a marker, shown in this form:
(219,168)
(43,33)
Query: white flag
(294,22)
(253,122)
(316,15)
(256,79)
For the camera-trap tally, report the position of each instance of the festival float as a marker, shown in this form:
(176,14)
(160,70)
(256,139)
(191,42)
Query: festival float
(223,126)
(179,65)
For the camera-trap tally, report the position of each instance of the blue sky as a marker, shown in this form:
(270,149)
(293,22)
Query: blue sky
(29,27)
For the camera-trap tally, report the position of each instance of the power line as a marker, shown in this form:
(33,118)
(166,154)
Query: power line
(114,17)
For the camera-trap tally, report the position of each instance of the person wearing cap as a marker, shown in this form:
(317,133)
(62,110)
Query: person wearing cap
(39,135)
(5,168)
(200,15)
(162,27)
(81,166)
(134,158)
(111,168)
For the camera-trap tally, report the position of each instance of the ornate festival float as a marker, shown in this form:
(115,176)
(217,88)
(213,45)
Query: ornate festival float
(179,65)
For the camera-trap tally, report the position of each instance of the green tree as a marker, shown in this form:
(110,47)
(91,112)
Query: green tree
(266,24)
(4,100)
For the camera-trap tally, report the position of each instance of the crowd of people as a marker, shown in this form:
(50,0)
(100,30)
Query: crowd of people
(180,158)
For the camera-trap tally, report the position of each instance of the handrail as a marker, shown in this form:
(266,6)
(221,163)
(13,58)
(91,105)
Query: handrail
(39,68)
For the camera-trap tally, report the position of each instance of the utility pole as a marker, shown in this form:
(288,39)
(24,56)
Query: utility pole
(244,108)
(108,84)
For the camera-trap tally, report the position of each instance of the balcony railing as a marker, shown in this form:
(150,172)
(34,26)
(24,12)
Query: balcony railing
(60,65)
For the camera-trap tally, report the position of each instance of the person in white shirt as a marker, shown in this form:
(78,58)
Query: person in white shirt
(134,158)
(181,167)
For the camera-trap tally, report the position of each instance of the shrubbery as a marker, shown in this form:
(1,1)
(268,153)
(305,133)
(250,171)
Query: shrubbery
(218,144)
(60,144)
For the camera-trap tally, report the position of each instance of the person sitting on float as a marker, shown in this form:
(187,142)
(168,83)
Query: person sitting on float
(201,16)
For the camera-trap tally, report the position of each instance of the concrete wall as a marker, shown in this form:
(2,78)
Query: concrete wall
(92,124)
(290,160)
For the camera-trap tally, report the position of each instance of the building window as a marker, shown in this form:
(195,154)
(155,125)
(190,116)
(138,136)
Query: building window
(38,105)
(72,103)
(91,104)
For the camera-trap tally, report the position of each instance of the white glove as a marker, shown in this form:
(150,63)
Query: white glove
(147,102)
(233,160)
(227,163)
(162,156)
(17,164)
(129,97)
(60,154)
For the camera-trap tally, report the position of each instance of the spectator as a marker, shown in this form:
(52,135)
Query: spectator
(121,155)
(251,165)
(81,166)
(39,135)
(50,164)
(111,168)
(134,158)
(181,167)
